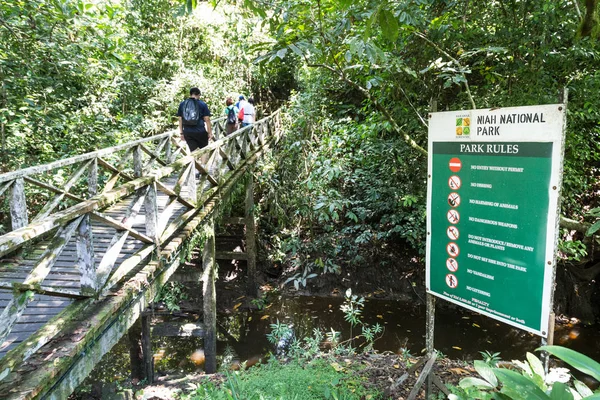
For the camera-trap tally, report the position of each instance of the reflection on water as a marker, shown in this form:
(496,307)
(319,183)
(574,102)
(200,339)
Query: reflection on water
(458,334)
(242,335)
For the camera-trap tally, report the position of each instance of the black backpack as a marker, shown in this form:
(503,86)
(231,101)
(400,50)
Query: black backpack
(191,112)
(231,117)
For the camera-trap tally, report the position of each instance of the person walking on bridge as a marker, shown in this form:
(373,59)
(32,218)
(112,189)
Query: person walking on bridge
(194,121)
(249,112)
(231,113)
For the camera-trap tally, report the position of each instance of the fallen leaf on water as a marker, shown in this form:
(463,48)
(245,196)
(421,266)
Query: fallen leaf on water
(476,326)
(466,317)
(456,348)
(239,298)
(264,317)
(237,306)
(396,366)
(380,316)
(250,318)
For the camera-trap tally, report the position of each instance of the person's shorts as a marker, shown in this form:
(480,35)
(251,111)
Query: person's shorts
(196,140)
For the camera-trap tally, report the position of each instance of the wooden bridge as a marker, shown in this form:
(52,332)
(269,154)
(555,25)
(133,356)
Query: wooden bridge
(93,239)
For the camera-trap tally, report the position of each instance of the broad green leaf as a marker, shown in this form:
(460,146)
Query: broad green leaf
(475,382)
(560,391)
(389,25)
(594,212)
(486,372)
(582,388)
(518,386)
(593,229)
(296,50)
(537,368)
(577,360)
(282,52)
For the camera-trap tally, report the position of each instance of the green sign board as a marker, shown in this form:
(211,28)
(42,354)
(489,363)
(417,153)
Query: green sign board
(493,189)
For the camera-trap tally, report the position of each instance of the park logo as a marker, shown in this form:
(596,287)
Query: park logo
(463,126)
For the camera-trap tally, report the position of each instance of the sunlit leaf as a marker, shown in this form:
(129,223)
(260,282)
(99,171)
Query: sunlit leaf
(577,360)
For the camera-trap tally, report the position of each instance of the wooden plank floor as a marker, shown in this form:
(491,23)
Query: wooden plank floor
(64,274)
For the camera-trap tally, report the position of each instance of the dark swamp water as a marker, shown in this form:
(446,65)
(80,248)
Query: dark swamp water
(242,335)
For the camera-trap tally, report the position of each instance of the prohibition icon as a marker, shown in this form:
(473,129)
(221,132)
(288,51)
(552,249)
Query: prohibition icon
(454,182)
(452,232)
(453,216)
(452,264)
(453,199)
(455,164)
(451,281)
(452,249)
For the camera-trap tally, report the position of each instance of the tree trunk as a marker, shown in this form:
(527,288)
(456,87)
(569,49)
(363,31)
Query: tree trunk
(589,24)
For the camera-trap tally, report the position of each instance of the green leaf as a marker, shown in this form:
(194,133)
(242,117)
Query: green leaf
(560,391)
(581,387)
(486,372)
(518,386)
(593,229)
(296,50)
(537,368)
(281,53)
(475,382)
(577,360)
(389,25)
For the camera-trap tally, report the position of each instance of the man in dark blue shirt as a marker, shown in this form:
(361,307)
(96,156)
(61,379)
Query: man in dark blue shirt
(196,136)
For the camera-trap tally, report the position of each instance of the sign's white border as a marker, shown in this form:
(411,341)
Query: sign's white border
(442,129)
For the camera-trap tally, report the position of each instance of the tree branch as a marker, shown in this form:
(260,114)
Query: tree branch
(454,60)
(377,105)
(413,107)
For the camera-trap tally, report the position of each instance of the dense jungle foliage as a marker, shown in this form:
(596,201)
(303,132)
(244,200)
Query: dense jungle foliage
(371,71)
(346,190)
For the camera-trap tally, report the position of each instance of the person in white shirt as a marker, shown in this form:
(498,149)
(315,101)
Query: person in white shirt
(249,111)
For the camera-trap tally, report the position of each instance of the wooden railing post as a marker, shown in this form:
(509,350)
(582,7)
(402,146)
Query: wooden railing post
(250,236)
(18,205)
(85,258)
(93,178)
(209,299)
(151,207)
(168,151)
(85,240)
(137,161)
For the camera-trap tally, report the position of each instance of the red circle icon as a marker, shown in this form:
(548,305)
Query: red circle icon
(453,216)
(452,264)
(455,164)
(452,232)
(452,249)
(454,182)
(451,281)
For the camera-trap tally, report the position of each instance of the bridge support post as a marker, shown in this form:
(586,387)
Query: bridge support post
(136,352)
(147,349)
(209,299)
(250,236)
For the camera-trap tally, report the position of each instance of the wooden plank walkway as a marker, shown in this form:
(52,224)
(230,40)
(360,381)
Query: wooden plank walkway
(143,200)
(65,273)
